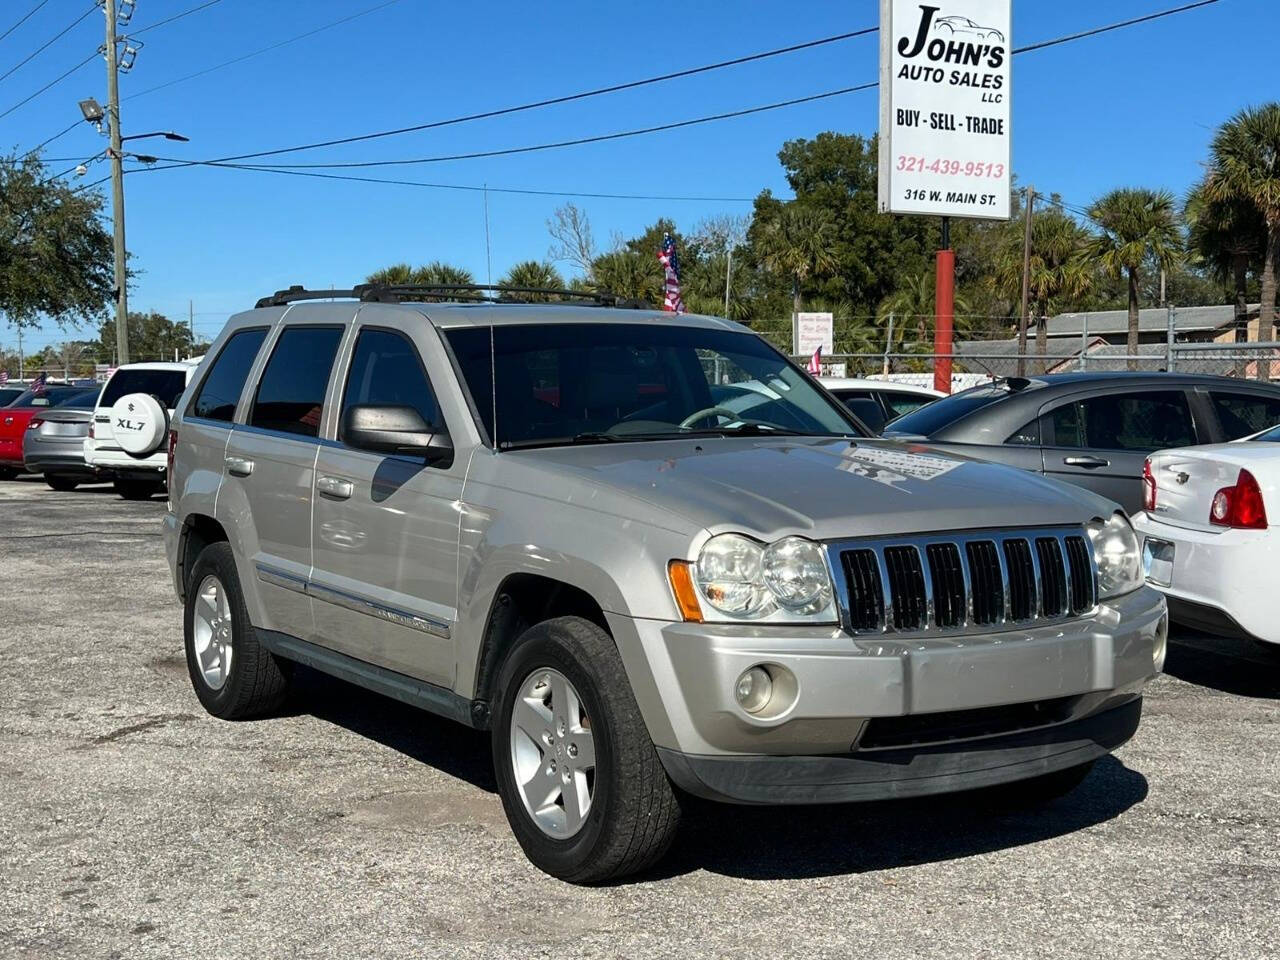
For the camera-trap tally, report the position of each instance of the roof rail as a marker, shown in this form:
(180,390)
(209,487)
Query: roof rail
(449,292)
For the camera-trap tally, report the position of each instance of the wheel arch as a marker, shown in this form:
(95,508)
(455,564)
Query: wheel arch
(198,531)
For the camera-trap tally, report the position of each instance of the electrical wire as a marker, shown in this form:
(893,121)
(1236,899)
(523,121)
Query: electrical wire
(56,80)
(176,16)
(255,53)
(57,136)
(1113,26)
(29,14)
(58,36)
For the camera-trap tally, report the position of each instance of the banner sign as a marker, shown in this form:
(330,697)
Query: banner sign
(944,107)
(811,331)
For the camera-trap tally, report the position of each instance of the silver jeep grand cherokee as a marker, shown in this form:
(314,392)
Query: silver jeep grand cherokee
(648,554)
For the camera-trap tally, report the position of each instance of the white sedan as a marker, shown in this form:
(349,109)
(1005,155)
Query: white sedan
(878,402)
(1206,541)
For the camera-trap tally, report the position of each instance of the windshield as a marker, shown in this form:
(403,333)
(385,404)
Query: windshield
(165,385)
(594,383)
(934,416)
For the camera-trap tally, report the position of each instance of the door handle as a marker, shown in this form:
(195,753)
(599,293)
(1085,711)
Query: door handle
(1089,463)
(239,466)
(335,488)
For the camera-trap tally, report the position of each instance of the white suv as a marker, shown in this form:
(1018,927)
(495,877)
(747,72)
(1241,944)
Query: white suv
(131,421)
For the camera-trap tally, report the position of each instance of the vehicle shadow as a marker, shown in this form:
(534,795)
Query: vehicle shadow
(1229,664)
(773,843)
(450,747)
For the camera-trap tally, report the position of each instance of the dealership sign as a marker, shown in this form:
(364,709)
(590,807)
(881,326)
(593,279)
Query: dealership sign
(944,107)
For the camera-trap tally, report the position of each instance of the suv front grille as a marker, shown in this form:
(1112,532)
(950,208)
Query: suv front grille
(967,582)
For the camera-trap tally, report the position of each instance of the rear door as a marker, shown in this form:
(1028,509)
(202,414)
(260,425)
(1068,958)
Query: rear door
(1100,441)
(269,469)
(385,538)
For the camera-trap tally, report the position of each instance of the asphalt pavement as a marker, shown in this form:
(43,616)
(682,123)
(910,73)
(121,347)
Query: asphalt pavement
(134,825)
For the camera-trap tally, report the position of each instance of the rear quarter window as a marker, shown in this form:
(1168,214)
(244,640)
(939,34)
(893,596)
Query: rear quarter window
(220,391)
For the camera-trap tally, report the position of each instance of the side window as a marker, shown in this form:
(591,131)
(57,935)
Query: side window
(1135,421)
(218,395)
(290,396)
(386,370)
(900,404)
(1028,435)
(1244,413)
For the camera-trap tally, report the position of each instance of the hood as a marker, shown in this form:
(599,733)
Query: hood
(822,488)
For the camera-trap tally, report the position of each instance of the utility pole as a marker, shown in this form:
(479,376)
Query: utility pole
(117,185)
(191,323)
(728,275)
(1026,285)
(488,257)
(22,372)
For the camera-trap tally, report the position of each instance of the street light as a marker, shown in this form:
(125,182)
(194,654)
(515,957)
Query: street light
(95,114)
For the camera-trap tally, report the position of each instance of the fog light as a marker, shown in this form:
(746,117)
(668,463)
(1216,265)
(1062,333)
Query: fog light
(1160,643)
(754,690)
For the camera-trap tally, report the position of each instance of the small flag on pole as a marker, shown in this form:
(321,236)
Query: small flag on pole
(671,301)
(37,385)
(4,377)
(815,363)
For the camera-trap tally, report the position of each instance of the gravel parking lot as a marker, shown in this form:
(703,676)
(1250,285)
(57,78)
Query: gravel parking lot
(134,825)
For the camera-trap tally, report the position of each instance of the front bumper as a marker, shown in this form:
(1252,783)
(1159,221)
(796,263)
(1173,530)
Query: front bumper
(1220,578)
(911,772)
(684,675)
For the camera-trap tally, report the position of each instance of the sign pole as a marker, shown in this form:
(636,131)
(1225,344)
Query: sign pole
(944,310)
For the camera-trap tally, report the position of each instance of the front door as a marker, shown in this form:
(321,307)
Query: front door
(386,526)
(1100,442)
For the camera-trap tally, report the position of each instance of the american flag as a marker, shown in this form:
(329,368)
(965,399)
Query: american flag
(671,301)
(815,363)
(4,377)
(37,385)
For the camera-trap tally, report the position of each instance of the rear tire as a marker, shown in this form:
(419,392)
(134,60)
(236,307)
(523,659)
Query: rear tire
(138,489)
(632,812)
(61,483)
(234,676)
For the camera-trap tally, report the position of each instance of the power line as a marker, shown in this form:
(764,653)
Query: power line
(255,53)
(470,188)
(29,14)
(58,36)
(1113,26)
(56,80)
(176,16)
(568,98)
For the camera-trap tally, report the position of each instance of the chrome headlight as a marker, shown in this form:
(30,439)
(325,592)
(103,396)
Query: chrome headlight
(1116,555)
(783,582)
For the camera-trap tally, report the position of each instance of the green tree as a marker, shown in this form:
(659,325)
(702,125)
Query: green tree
(55,256)
(1227,237)
(628,274)
(913,307)
(152,336)
(1244,167)
(1060,272)
(534,273)
(1134,224)
(434,274)
(797,243)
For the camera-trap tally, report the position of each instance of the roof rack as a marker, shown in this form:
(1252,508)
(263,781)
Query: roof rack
(461,292)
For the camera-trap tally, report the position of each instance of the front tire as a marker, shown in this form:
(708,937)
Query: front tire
(61,484)
(234,676)
(581,783)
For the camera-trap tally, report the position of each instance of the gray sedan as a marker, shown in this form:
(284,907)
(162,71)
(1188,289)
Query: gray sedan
(54,442)
(1092,429)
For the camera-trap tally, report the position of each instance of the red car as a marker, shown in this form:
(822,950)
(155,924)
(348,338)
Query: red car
(15,418)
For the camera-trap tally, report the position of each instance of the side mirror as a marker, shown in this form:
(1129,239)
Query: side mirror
(395,429)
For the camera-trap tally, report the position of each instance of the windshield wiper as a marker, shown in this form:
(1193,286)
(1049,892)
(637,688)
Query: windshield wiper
(752,430)
(595,436)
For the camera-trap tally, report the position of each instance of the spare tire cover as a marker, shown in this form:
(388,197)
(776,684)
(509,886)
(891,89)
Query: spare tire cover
(140,423)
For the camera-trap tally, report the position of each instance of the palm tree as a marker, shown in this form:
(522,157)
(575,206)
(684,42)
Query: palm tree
(1245,166)
(1135,224)
(912,306)
(628,274)
(797,243)
(1059,270)
(439,273)
(397,273)
(1227,238)
(533,273)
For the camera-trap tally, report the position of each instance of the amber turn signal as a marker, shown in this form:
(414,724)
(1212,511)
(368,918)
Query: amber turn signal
(678,572)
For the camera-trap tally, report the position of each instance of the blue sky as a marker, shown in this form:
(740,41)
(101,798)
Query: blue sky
(1136,106)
